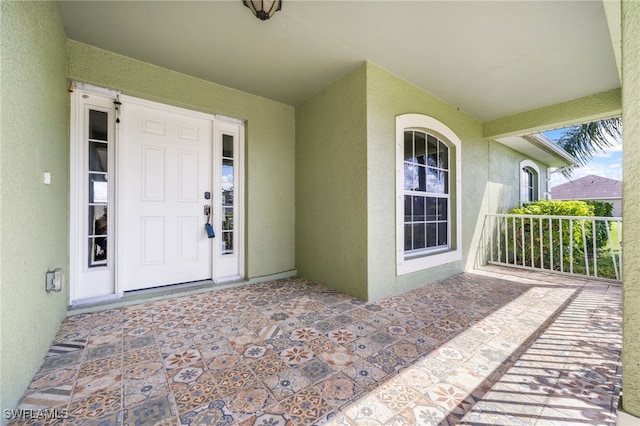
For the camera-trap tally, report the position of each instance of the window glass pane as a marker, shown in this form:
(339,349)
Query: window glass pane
(98,188)
(432,181)
(98,157)
(97,236)
(418,209)
(418,236)
(442,209)
(420,184)
(443,156)
(408,216)
(408,238)
(432,151)
(97,220)
(442,234)
(410,177)
(443,182)
(227,146)
(431,208)
(227,182)
(227,242)
(420,149)
(98,125)
(408,147)
(227,221)
(97,251)
(431,235)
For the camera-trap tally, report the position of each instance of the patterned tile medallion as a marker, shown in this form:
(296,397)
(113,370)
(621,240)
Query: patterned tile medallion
(307,406)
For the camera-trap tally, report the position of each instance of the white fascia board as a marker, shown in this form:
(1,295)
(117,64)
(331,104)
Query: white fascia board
(540,148)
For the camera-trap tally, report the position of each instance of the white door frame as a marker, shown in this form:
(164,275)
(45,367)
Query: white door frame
(78,222)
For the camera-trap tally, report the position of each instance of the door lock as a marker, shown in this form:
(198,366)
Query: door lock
(207,211)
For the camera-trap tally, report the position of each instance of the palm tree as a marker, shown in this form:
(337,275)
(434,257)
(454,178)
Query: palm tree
(586,140)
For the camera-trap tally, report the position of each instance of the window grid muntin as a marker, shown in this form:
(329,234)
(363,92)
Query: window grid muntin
(430,234)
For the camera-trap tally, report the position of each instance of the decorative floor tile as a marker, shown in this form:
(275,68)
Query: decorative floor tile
(386,361)
(53,378)
(271,416)
(364,373)
(340,357)
(473,348)
(59,361)
(47,398)
(307,406)
(182,359)
(214,413)
(97,405)
(315,370)
(286,382)
(342,335)
(102,351)
(339,390)
(367,410)
(248,401)
(321,344)
(267,366)
(100,366)
(63,347)
(405,350)
(88,386)
(152,412)
(281,342)
(234,379)
(296,355)
(148,353)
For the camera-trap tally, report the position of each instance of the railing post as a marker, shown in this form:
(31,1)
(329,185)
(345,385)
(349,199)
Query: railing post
(561,233)
(571,246)
(594,245)
(584,247)
(613,257)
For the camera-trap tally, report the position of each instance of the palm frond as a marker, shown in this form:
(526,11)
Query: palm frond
(586,140)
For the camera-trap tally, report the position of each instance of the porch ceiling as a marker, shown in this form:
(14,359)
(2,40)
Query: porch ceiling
(490,59)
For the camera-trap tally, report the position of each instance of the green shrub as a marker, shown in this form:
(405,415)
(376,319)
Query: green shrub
(545,243)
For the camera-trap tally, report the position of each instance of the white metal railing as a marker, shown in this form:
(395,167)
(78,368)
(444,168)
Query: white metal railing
(576,245)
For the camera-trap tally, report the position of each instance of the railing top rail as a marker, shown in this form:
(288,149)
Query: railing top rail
(612,219)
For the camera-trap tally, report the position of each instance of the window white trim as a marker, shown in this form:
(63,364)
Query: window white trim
(533,167)
(405,263)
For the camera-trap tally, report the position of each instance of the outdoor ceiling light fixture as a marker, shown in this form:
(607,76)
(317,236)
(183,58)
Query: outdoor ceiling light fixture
(263,9)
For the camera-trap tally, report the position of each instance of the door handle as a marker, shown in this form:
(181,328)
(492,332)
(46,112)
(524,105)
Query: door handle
(207,226)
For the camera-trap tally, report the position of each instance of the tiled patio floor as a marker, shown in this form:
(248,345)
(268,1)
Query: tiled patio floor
(490,347)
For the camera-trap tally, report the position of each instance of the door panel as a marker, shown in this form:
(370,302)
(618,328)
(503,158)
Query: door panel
(164,171)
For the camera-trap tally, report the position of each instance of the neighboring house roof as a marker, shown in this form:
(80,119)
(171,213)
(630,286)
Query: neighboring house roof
(540,148)
(590,187)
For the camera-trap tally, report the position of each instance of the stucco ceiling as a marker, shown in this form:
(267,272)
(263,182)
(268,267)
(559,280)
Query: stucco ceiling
(488,58)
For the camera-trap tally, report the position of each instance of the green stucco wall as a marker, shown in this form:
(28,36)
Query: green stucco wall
(504,177)
(269,150)
(34,132)
(631,207)
(331,185)
(387,97)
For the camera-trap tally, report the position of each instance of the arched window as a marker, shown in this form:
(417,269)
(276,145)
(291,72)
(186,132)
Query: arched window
(428,207)
(529,182)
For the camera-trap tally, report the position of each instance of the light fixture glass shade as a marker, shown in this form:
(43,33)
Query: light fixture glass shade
(263,9)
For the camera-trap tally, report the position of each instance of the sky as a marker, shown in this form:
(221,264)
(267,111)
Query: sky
(607,164)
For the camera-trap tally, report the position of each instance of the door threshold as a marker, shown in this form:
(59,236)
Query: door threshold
(133,297)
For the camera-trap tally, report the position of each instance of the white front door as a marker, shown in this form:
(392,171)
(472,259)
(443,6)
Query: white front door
(142,174)
(164,183)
